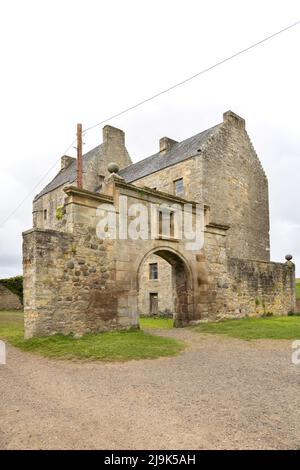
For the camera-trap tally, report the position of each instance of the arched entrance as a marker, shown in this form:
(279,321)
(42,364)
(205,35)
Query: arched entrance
(166,286)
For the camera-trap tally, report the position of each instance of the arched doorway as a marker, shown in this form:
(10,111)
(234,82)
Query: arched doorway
(165,286)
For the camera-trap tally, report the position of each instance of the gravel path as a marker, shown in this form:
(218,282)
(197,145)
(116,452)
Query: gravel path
(220,393)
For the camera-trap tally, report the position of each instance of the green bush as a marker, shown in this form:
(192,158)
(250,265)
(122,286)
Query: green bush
(15,285)
(59,213)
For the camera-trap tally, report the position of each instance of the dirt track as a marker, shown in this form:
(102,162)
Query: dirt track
(220,393)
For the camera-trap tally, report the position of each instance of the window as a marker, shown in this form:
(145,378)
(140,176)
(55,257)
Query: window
(153,271)
(160,223)
(178,187)
(153,303)
(45,214)
(172,217)
(101,181)
(166,220)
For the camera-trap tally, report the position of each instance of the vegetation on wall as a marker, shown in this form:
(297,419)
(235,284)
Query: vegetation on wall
(59,213)
(15,285)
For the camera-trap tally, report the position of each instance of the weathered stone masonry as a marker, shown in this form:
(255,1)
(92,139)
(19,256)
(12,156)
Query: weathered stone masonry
(9,300)
(75,282)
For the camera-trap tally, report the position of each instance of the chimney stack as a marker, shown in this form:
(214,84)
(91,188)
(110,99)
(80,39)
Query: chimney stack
(234,119)
(114,147)
(113,135)
(66,161)
(165,144)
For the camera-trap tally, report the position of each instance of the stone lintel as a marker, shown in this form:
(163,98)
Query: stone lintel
(84,193)
(46,231)
(215,228)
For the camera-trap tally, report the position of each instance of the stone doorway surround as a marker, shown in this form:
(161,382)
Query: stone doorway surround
(181,285)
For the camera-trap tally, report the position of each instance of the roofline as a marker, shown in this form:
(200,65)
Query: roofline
(160,169)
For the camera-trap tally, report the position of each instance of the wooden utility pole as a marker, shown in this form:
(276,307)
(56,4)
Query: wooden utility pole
(79,156)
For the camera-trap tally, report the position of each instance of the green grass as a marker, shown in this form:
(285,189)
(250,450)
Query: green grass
(298,288)
(108,346)
(156,322)
(255,328)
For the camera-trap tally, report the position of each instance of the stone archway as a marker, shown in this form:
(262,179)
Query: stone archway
(181,283)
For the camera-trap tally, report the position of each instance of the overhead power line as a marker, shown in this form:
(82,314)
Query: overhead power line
(140,103)
(211,67)
(35,187)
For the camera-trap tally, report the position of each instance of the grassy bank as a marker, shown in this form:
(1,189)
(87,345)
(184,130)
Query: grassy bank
(156,322)
(110,346)
(287,327)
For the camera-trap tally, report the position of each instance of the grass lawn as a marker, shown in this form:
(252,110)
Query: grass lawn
(255,328)
(298,288)
(156,322)
(110,346)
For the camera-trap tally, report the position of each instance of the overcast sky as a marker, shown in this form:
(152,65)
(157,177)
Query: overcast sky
(64,62)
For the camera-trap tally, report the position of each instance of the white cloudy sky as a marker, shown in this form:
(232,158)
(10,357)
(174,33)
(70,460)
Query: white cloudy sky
(68,61)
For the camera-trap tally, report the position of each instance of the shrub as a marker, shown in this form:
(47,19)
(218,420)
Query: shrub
(59,213)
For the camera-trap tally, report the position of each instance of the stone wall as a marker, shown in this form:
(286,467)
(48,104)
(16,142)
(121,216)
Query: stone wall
(9,300)
(191,172)
(68,283)
(162,286)
(53,204)
(236,189)
(258,288)
(212,274)
(77,282)
(228,177)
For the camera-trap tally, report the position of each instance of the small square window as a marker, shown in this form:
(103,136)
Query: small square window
(179,187)
(153,271)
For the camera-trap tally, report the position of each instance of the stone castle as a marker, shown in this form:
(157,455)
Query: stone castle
(78,282)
